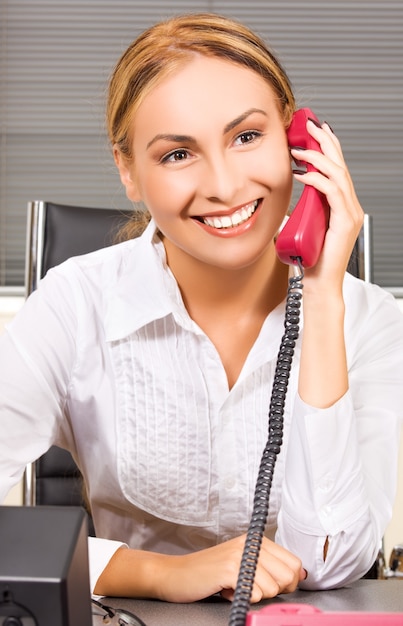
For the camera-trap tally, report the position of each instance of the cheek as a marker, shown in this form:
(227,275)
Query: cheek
(272,159)
(167,192)
(275,171)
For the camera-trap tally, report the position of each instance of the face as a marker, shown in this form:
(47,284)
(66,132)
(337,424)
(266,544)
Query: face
(211,163)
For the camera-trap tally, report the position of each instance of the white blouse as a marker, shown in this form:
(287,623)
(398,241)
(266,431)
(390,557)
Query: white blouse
(105,361)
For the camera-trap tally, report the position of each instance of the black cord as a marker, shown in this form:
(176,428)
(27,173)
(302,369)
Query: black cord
(257,525)
(118,616)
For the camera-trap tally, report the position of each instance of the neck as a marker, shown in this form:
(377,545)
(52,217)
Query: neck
(230,306)
(253,290)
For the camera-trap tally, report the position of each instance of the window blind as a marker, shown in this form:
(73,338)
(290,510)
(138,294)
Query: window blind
(344,58)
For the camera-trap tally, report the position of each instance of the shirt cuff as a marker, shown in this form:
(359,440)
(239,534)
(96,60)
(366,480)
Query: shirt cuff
(100,553)
(324,489)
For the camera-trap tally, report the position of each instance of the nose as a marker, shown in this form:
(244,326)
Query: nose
(222,179)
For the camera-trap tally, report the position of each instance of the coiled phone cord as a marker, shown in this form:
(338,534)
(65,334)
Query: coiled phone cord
(257,525)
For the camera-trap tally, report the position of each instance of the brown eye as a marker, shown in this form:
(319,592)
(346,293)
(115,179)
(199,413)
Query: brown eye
(175,156)
(247,137)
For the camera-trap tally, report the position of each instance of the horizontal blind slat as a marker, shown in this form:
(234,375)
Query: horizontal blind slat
(345,60)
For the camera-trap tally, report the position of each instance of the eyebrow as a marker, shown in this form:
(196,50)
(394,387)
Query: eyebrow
(238,120)
(174,138)
(189,139)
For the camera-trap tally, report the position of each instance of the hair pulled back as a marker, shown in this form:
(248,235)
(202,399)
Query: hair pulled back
(167,46)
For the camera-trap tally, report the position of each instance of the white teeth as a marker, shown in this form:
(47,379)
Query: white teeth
(229,221)
(225,221)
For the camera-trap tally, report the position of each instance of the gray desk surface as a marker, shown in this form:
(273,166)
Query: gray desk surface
(364,595)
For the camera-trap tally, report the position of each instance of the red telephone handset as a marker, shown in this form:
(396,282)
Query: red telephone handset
(304,233)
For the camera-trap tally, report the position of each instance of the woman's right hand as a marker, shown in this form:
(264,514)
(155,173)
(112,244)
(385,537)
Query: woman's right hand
(194,576)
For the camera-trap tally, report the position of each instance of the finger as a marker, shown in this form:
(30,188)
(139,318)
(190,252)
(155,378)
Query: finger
(278,575)
(329,143)
(270,548)
(330,166)
(329,130)
(346,215)
(303,574)
(278,579)
(227,594)
(264,586)
(335,182)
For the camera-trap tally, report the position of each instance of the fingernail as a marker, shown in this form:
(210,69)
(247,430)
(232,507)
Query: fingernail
(327,124)
(300,172)
(304,574)
(314,122)
(297,148)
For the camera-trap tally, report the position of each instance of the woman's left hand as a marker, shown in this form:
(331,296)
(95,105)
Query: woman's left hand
(346,214)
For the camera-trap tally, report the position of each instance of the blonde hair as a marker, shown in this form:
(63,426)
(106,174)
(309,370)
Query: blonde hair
(165,47)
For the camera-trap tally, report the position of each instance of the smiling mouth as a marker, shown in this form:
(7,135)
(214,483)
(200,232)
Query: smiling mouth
(230,221)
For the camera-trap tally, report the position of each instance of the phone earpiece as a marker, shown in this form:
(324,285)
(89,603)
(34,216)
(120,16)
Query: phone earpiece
(303,235)
(298,136)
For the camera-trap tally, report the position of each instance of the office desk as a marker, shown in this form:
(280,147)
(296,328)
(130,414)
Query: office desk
(364,595)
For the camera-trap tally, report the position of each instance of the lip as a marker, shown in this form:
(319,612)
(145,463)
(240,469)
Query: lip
(234,231)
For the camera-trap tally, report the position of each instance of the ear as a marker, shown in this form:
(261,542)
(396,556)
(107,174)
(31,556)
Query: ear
(125,168)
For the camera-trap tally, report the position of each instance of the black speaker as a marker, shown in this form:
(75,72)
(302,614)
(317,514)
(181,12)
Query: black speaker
(44,572)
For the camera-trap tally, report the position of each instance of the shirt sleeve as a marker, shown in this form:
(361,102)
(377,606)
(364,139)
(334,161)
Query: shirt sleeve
(100,552)
(37,353)
(341,463)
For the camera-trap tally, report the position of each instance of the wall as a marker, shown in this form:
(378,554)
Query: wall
(394,534)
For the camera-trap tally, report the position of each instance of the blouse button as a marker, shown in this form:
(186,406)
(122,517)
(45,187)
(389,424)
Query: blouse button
(230,482)
(326,484)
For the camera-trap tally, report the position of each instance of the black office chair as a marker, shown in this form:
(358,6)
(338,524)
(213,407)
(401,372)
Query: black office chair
(56,232)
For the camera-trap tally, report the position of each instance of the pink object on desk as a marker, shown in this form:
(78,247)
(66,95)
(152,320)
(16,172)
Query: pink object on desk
(305,615)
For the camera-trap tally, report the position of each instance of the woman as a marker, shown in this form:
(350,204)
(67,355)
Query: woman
(152,361)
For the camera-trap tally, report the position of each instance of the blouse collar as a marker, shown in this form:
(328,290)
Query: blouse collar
(142,288)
